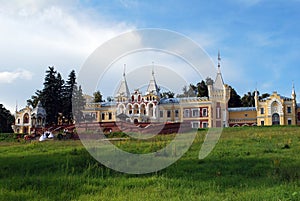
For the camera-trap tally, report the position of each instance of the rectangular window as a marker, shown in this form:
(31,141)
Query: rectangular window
(289,110)
(204,112)
(169,113)
(218,113)
(195,113)
(204,124)
(103,116)
(195,124)
(176,113)
(187,113)
(262,123)
(289,122)
(110,116)
(161,114)
(262,111)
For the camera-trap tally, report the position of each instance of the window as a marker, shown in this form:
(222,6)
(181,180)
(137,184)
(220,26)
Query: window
(262,123)
(195,113)
(218,113)
(204,124)
(289,122)
(103,116)
(246,115)
(161,114)
(110,116)
(289,110)
(169,113)
(187,113)
(18,121)
(262,111)
(176,113)
(204,112)
(195,124)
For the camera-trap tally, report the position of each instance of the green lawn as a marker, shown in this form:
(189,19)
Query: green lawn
(247,164)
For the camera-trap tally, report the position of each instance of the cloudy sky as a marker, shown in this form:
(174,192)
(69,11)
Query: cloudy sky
(258,39)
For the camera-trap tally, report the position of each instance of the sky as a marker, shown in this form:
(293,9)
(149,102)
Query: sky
(258,39)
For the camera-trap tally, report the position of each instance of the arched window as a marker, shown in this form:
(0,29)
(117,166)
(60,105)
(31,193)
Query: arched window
(26,118)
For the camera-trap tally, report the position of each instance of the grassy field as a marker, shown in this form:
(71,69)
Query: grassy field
(257,163)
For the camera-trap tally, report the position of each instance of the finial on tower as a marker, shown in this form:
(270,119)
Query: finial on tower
(124,70)
(293,88)
(219,59)
(152,68)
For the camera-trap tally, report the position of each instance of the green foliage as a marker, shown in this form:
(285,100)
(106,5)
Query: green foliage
(235,99)
(97,97)
(57,97)
(248,163)
(168,94)
(6,120)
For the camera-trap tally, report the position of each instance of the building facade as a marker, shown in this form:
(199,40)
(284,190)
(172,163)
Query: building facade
(136,107)
(273,110)
(29,119)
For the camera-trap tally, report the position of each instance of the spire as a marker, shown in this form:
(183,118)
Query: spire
(123,89)
(124,70)
(152,87)
(293,92)
(219,80)
(219,60)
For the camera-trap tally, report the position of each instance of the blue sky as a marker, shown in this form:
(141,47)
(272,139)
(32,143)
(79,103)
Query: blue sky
(258,39)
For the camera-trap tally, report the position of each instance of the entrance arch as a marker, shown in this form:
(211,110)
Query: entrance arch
(275,119)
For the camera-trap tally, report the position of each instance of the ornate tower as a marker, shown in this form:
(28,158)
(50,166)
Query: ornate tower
(123,93)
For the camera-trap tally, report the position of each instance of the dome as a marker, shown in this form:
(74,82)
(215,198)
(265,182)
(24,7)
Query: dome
(39,110)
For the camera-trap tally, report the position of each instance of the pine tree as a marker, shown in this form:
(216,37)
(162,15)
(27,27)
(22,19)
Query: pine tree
(78,103)
(6,120)
(235,99)
(202,90)
(97,97)
(69,92)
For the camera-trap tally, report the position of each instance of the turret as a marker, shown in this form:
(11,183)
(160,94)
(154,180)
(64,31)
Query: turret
(123,93)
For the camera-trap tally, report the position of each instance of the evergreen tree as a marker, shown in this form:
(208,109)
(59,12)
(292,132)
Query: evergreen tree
(6,120)
(248,99)
(202,89)
(168,94)
(78,103)
(69,92)
(97,97)
(34,99)
(235,99)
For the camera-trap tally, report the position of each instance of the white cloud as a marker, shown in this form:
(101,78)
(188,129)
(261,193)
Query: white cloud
(9,77)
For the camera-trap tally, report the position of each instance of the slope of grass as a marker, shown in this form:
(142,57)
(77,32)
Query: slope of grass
(247,164)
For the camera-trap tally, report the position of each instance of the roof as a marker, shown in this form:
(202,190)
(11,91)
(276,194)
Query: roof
(106,104)
(241,109)
(168,100)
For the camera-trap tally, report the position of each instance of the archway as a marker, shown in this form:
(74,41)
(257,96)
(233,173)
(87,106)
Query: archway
(275,119)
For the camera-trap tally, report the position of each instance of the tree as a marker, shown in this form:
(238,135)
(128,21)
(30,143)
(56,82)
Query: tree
(78,103)
(34,99)
(68,93)
(97,97)
(263,96)
(248,99)
(50,95)
(202,90)
(6,120)
(168,94)
(235,99)
(188,91)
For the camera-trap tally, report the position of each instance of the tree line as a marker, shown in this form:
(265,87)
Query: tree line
(6,120)
(60,98)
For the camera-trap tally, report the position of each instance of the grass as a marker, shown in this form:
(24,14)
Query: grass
(255,163)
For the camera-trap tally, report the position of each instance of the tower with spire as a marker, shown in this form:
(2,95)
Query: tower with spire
(152,87)
(219,94)
(123,93)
